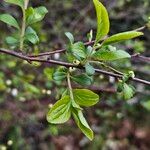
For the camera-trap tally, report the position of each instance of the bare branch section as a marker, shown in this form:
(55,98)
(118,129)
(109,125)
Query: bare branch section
(32,59)
(141,58)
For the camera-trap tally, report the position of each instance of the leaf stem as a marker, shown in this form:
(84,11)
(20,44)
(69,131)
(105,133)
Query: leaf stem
(23,28)
(97,47)
(74,104)
(69,86)
(106,66)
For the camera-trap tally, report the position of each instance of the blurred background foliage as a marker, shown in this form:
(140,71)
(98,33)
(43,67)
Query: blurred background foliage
(27,90)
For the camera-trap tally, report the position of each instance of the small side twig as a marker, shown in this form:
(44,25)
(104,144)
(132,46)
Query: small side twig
(57,51)
(141,58)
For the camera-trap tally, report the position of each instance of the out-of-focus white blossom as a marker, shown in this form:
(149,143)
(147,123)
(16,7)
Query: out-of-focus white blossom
(44,91)
(8,82)
(3,147)
(111,79)
(14,92)
(57,56)
(10,142)
(49,92)
(22,99)
(50,105)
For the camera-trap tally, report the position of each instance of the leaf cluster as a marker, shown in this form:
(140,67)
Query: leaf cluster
(24,30)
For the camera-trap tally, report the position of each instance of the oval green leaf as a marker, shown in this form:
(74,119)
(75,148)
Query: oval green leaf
(60,112)
(82,124)
(34,15)
(103,23)
(82,79)
(78,50)
(146,105)
(128,91)
(58,76)
(48,72)
(85,97)
(10,20)
(70,37)
(12,40)
(31,36)
(107,55)
(16,2)
(122,37)
(89,69)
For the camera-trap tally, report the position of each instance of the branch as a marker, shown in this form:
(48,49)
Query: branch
(110,90)
(142,58)
(58,51)
(135,56)
(24,57)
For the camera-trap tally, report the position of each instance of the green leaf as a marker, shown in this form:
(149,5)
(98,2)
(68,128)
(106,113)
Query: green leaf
(103,23)
(122,37)
(30,15)
(60,74)
(16,2)
(33,89)
(82,79)
(10,20)
(89,69)
(70,37)
(146,105)
(75,105)
(82,124)
(2,84)
(78,50)
(31,35)
(11,40)
(120,86)
(85,97)
(128,91)
(60,112)
(34,15)
(107,55)
(31,38)
(89,51)
(48,72)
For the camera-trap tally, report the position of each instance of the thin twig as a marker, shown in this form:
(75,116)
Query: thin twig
(141,58)
(27,58)
(106,66)
(57,51)
(23,28)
